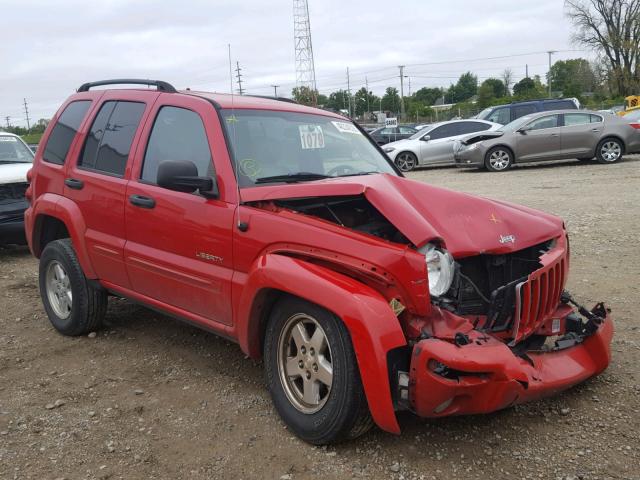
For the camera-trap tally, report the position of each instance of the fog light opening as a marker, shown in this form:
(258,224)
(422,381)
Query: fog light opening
(443,406)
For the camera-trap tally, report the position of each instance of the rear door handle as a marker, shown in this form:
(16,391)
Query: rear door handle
(74,183)
(555,134)
(142,201)
(595,129)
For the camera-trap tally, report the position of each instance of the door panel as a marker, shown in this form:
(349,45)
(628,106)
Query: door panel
(542,140)
(97,180)
(179,245)
(579,135)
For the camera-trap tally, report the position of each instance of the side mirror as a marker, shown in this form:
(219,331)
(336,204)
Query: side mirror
(426,138)
(523,130)
(182,176)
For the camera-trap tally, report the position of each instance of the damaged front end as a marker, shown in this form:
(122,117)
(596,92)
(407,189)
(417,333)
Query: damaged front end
(504,333)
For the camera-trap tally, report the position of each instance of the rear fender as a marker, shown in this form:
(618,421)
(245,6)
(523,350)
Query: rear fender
(68,213)
(373,327)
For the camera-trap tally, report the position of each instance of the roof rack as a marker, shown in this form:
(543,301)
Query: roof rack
(269,97)
(162,86)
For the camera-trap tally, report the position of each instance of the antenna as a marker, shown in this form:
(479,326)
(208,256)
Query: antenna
(305,68)
(242,226)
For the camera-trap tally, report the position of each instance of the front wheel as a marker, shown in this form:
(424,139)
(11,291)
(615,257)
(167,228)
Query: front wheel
(312,373)
(498,159)
(406,161)
(609,150)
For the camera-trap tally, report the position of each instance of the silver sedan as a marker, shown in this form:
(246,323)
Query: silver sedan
(433,145)
(550,136)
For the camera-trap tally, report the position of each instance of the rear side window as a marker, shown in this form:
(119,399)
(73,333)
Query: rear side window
(598,119)
(577,119)
(64,131)
(472,127)
(522,110)
(500,115)
(178,134)
(109,141)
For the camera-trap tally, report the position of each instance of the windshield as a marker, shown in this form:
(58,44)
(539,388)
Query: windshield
(13,150)
(305,147)
(516,124)
(484,113)
(423,131)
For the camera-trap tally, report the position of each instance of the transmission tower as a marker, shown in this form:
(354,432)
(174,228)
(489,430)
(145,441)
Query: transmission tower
(239,77)
(305,69)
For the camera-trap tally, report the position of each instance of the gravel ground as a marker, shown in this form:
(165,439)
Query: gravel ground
(149,397)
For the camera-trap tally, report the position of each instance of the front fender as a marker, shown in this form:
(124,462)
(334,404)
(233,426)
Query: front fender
(373,327)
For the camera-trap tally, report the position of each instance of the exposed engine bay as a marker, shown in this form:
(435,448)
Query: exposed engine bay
(351,212)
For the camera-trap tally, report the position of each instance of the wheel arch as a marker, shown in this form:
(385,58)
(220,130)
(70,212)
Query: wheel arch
(501,145)
(615,137)
(417,162)
(372,325)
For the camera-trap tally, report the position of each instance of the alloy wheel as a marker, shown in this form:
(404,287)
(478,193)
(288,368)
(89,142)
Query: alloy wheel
(58,288)
(405,162)
(499,160)
(610,151)
(304,363)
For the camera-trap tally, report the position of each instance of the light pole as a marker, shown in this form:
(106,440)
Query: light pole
(550,52)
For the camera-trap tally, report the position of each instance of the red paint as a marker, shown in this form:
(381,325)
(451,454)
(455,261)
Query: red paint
(154,256)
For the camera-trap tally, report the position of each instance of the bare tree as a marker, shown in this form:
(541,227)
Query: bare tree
(612,28)
(507,77)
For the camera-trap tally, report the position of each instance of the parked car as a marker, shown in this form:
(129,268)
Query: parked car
(384,135)
(434,144)
(550,136)
(15,160)
(504,114)
(33,147)
(633,118)
(286,229)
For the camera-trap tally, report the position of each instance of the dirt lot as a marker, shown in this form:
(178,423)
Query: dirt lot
(149,397)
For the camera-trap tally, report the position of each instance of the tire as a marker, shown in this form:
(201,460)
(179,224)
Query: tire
(74,307)
(498,159)
(609,150)
(329,414)
(406,161)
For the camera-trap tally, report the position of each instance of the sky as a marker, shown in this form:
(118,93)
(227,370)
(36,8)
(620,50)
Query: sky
(49,48)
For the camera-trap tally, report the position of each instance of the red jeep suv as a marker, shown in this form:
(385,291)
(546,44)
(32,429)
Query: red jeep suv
(286,229)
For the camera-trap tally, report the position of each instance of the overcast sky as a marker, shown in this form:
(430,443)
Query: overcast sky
(50,47)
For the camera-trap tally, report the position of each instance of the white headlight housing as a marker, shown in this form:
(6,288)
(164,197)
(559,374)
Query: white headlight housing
(389,149)
(440,269)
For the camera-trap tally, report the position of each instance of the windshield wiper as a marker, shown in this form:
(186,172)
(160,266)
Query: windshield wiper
(359,173)
(292,177)
(14,161)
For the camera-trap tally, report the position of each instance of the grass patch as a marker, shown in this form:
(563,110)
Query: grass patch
(32,137)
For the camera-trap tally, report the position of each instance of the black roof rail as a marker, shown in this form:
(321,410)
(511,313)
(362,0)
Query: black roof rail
(162,86)
(542,100)
(269,97)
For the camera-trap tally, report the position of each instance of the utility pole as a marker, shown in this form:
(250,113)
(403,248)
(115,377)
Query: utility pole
(366,82)
(401,67)
(239,77)
(409,79)
(526,69)
(26,112)
(349,90)
(7,119)
(275,90)
(550,52)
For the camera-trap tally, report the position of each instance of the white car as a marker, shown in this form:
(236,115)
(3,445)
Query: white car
(16,158)
(434,144)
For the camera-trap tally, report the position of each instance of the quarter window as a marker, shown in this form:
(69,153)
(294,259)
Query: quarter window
(597,119)
(522,110)
(109,141)
(178,134)
(64,132)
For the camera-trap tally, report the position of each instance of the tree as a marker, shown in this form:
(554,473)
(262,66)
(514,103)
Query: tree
(572,77)
(427,96)
(305,95)
(611,28)
(338,100)
(365,101)
(507,77)
(391,100)
(489,91)
(523,87)
(464,89)
(496,85)
(529,88)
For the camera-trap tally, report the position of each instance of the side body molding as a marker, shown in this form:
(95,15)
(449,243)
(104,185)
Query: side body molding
(373,327)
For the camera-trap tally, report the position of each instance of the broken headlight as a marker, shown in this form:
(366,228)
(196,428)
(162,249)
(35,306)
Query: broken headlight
(440,269)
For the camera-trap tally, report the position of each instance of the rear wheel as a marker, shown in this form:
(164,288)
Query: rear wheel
(312,373)
(74,307)
(406,161)
(498,159)
(609,150)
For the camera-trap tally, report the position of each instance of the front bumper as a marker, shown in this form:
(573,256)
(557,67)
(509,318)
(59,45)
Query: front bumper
(489,376)
(12,223)
(465,157)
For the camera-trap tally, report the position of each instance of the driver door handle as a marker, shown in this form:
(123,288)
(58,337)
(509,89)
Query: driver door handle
(74,183)
(142,201)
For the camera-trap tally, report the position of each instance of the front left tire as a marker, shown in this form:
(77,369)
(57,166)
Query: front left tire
(312,373)
(406,161)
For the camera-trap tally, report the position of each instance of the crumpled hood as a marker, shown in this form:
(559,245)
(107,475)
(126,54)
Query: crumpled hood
(466,224)
(477,137)
(14,172)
